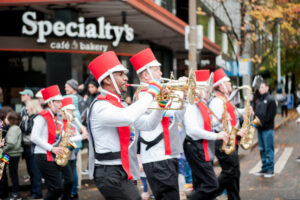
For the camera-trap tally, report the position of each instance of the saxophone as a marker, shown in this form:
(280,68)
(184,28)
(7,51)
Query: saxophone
(4,158)
(250,127)
(228,147)
(67,146)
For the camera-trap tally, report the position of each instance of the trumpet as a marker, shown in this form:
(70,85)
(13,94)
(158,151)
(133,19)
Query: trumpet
(173,86)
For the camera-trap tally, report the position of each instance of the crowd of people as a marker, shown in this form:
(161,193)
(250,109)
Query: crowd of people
(129,141)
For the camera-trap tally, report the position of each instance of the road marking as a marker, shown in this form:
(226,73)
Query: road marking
(281,162)
(258,166)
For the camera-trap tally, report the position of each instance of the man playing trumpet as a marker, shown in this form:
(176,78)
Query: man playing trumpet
(199,144)
(161,147)
(109,128)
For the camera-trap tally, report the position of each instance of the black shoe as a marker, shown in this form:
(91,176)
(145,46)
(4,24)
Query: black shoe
(298,159)
(74,196)
(260,173)
(33,196)
(269,174)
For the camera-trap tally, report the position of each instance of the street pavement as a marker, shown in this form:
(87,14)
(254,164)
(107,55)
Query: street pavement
(285,184)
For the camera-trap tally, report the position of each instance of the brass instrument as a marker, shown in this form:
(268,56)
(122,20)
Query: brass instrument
(228,147)
(188,86)
(65,144)
(208,87)
(250,127)
(4,158)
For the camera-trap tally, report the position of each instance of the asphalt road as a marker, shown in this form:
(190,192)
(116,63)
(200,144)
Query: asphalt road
(284,186)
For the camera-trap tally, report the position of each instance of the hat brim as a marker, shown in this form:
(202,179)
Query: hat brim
(117,68)
(69,107)
(153,63)
(224,79)
(55,98)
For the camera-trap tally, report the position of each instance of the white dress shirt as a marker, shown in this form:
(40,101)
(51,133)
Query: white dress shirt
(157,152)
(39,135)
(105,118)
(194,124)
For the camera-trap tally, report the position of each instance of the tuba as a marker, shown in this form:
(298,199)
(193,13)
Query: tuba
(250,126)
(4,158)
(67,146)
(228,147)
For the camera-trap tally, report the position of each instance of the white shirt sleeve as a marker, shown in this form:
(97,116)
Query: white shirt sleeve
(40,124)
(112,116)
(194,124)
(179,114)
(149,122)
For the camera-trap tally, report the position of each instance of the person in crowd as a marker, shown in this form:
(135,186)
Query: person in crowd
(69,171)
(4,182)
(14,149)
(128,100)
(284,105)
(33,108)
(26,95)
(92,91)
(161,147)
(199,144)
(46,135)
(39,96)
(298,122)
(71,88)
(229,178)
(266,111)
(110,155)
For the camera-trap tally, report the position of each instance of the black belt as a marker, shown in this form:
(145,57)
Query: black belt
(188,138)
(153,142)
(108,156)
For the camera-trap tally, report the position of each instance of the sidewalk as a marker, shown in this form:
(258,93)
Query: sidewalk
(88,190)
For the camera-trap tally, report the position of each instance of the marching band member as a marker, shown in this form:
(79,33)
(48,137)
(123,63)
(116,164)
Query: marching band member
(68,171)
(109,128)
(46,135)
(229,178)
(161,147)
(199,147)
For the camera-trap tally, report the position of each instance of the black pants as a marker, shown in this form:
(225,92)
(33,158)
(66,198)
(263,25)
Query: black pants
(284,111)
(205,182)
(4,184)
(229,178)
(51,172)
(163,178)
(68,176)
(13,172)
(112,181)
(35,176)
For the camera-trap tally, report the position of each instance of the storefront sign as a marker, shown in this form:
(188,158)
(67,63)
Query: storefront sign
(68,46)
(99,30)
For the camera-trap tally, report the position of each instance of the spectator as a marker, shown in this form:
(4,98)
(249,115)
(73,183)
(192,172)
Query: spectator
(71,88)
(26,95)
(3,182)
(93,91)
(13,148)
(39,96)
(266,110)
(284,104)
(128,100)
(298,122)
(33,108)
